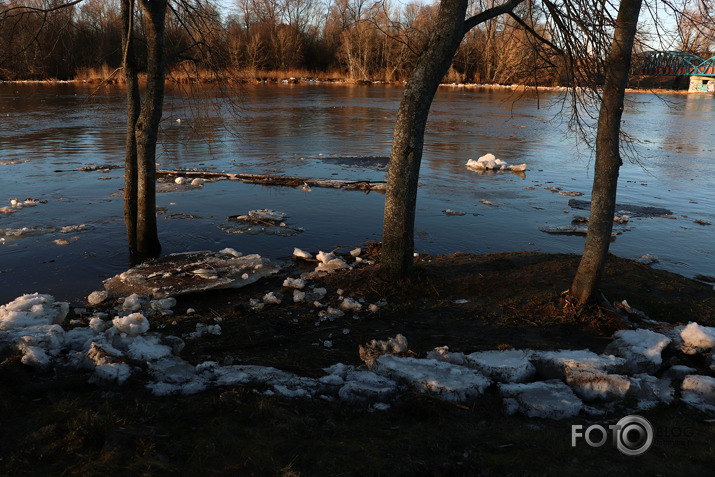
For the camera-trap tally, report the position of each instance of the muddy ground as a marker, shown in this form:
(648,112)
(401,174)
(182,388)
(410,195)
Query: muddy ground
(59,424)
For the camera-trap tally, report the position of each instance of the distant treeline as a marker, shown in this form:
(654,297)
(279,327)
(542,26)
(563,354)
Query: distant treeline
(359,40)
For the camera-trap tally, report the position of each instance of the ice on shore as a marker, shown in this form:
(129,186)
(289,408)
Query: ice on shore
(190,272)
(31,310)
(508,366)
(448,381)
(544,399)
(641,348)
(298,253)
(559,364)
(697,338)
(489,162)
(376,348)
(699,392)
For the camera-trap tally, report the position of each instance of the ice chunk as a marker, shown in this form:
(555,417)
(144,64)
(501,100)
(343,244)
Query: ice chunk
(298,296)
(271,298)
(697,338)
(641,349)
(699,392)
(118,372)
(558,364)
(443,354)
(545,399)
(508,366)
(650,390)
(35,356)
(183,273)
(366,386)
(197,182)
(180,180)
(132,303)
(97,297)
(448,381)
(298,253)
(148,348)
(489,162)
(267,214)
(349,304)
(298,283)
(132,325)
(31,310)
(594,384)
(374,349)
(355,252)
(231,252)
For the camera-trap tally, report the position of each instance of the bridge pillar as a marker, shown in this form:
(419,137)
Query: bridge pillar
(702,84)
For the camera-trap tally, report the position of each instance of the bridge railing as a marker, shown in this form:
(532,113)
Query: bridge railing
(674,63)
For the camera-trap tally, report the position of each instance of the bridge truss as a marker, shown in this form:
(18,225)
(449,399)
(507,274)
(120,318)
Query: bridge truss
(675,63)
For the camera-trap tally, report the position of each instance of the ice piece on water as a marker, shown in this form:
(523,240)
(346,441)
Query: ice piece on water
(647,259)
(32,309)
(230,251)
(356,252)
(198,182)
(298,253)
(132,325)
(180,180)
(489,162)
(267,214)
(545,399)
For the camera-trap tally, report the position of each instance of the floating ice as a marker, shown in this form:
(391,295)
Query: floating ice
(180,180)
(647,259)
(490,162)
(298,253)
(545,399)
(448,381)
(198,182)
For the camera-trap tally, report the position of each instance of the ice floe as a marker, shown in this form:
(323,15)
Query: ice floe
(191,272)
(260,221)
(699,392)
(489,162)
(507,366)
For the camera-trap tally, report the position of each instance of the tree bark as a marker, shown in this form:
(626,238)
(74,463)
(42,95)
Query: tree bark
(133,105)
(147,127)
(608,158)
(408,138)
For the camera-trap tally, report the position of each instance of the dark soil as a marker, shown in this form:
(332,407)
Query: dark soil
(58,424)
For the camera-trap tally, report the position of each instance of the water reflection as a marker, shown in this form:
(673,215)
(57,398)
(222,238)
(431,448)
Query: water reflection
(344,133)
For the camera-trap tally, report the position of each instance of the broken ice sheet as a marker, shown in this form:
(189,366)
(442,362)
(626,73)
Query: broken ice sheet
(260,221)
(182,273)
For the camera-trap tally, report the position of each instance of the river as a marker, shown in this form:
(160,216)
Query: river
(338,132)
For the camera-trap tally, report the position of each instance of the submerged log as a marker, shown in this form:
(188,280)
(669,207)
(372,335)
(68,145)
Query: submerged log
(287,181)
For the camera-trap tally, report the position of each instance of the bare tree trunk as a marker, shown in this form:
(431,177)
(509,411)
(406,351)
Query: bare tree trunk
(133,105)
(608,158)
(147,127)
(408,139)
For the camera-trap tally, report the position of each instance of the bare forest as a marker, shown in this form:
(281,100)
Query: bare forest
(354,40)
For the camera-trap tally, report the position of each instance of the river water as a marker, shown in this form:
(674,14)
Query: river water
(338,132)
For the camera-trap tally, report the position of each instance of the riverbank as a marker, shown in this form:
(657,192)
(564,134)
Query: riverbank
(56,422)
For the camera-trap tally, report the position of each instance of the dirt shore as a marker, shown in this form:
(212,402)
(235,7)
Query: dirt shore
(56,423)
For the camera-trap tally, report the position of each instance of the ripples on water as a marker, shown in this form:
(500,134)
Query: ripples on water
(338,132)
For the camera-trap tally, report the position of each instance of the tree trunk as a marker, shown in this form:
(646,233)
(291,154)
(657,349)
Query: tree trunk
(408,138)
(608,158)
(147,127)
(133,105)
